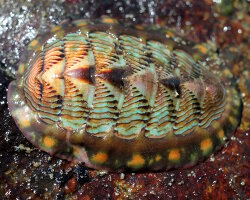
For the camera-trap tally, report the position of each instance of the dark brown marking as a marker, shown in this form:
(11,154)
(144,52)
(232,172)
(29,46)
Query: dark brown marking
(172,83)
(86,74)
(115,76)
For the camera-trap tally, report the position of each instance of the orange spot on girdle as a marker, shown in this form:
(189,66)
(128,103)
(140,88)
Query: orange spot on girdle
(100,158)
(221,134)
(48,141)
(174,155)
(158,158)
(206,144)
(137,160)
(25,122)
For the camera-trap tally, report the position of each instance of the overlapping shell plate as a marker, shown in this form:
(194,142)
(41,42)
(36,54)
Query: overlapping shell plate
(119,98)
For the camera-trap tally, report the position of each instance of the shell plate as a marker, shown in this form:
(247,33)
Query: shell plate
(117,98)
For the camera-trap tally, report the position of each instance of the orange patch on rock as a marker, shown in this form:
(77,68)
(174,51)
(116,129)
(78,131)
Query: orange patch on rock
(201,48)
(169,34)
(33,43)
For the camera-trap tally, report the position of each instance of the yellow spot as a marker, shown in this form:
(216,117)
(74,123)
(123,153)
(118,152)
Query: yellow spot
(227,73)
(100,158)
(201,48)
(136,161)
(49,141)
(174,155)
(33,43)
(210,189)
(206,145)
(158,158)
(110,21)
(151,161)
(56,28)
(21,69)
(231,119)
(221,134)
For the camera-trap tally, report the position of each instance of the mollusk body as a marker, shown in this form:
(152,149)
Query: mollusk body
(119,98)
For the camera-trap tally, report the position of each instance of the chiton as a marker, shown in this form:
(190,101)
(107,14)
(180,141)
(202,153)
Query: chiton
(118,97)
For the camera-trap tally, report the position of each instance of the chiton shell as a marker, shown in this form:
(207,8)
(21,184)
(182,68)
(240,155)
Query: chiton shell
(117,97)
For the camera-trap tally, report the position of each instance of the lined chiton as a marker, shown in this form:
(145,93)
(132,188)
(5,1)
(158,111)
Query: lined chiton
(117,98)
